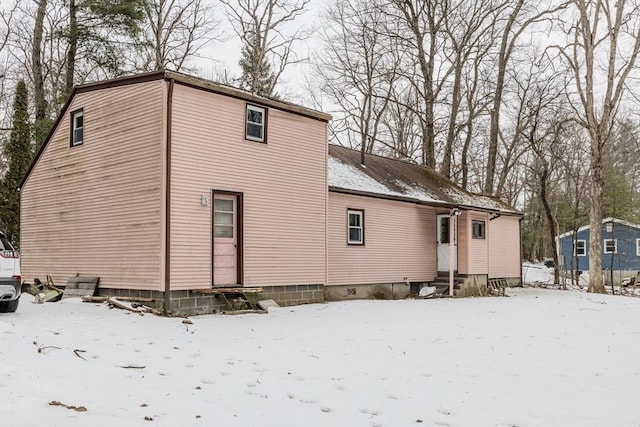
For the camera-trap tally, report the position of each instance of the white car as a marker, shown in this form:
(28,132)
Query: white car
(10,280)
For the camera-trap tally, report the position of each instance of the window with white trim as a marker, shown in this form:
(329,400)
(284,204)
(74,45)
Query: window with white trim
(638,247)
(77,128)
(256,123)
(478,229)
(580,248)
(610,246)
(355,227)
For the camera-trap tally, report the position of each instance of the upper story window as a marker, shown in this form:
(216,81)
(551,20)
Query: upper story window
(77,128)
(580,248)
(255,129)
(355,227)
(610,246)
(479,229)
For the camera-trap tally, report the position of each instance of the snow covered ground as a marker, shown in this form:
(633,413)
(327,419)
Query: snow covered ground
(539,357)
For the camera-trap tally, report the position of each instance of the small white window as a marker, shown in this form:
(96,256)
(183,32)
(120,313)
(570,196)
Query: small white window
(580,248)
(638,247)
(77,128)
(355,227)
(255,123)
(610,246)
(478,229)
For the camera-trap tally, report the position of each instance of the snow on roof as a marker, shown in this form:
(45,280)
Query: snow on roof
(604,221)
(395,178)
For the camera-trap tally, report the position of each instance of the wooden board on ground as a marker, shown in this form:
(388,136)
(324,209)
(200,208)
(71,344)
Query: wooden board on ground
(80,286)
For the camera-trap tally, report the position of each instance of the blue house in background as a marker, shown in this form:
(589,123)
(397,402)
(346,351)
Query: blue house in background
(620,247)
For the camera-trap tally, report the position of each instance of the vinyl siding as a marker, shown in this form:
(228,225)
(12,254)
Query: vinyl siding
(478,248)
(400,242)
(464,225)
(95,209)
(283,182)
(626,258)
(504,247)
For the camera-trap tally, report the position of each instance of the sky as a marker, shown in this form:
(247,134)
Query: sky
(224,55)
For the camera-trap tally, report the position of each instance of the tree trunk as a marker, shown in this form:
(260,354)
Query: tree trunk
(73,47)
(551,226)
(451,133)
(41,105)
(596,283)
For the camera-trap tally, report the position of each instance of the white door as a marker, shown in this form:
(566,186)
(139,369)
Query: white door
(444,244)
(225,240)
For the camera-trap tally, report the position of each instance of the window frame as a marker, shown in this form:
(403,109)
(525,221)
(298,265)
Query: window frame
(263,110)
(584,247)
(360,213)
(72,127)
(638,247)
(481,236)
(615,246)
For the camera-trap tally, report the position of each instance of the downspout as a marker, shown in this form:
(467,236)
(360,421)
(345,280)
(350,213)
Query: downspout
(520,242)
(453,222)
(167,206)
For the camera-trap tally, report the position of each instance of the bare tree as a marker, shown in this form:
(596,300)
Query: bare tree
(604,42)
(267,46)
(544,118)
(468,31)
(176,32)
(358,67)
(421,26)
(38,75)
(7,18)
(521,15)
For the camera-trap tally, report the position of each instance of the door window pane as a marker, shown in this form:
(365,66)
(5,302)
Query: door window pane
(444,229)
(223,231)
(223,218)
(223,205)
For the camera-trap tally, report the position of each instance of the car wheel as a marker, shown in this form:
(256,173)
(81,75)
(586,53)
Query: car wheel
(9,306)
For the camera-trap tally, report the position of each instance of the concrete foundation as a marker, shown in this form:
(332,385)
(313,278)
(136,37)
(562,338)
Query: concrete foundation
(189,303)
(377,291)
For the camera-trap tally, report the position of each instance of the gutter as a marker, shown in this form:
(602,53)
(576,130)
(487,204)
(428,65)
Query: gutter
(433,203)
(167,206)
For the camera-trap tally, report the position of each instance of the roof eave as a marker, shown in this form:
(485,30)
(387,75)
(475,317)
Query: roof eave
(434,203)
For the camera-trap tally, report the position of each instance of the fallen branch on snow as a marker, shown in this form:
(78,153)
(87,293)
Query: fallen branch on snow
(74,408)
(42,348)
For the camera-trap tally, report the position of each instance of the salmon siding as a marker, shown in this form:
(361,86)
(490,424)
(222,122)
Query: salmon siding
(166,182)
(93,205)
(282,180)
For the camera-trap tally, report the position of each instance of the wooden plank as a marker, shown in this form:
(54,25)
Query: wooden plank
(82,279)
(80,286)
(267,304)
(98,299)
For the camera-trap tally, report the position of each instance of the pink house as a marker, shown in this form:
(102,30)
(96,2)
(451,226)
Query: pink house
(172,187)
